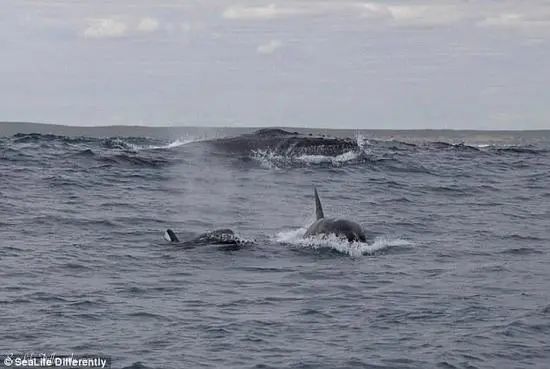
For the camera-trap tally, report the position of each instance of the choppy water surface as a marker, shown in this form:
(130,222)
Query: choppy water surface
(456,274)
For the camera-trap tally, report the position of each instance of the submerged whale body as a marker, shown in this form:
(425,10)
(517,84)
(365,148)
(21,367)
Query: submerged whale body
(341,228)
(216,237)
(285,143)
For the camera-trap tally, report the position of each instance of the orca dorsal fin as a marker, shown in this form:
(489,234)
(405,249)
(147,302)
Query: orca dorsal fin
(318,208)
(170,236)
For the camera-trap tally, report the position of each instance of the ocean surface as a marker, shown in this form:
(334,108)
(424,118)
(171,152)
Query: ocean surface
(456,273)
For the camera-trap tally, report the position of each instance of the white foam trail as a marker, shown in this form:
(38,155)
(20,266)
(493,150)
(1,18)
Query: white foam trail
(353,249)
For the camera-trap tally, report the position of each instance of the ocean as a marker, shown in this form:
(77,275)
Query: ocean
(456,273)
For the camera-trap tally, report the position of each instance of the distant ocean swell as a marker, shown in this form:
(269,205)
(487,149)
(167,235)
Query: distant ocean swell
(151,152)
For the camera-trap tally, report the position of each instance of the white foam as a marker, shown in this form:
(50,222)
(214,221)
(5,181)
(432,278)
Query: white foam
(290,236)
(335,160)
(270,160)
(120,144)
(354,249)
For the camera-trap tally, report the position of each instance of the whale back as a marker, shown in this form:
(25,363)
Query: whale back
(343,228)
(348,229)
(318,208)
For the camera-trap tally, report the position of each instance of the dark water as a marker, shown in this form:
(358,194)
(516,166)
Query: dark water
(457,274)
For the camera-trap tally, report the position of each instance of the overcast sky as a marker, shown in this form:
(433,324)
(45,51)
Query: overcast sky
(480,64)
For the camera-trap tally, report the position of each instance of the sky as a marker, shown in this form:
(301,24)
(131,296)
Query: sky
(388,64)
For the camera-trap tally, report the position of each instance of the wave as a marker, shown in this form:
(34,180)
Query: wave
(133,152)
(271,152)
(121,158)
(84,153)
(360,141)
(137,365)
(529,149)
(128,143)
(38,137)
(397,146)
(141,143)
(333,243)
(439,145)
(521,251)
(133,160)
(510,149)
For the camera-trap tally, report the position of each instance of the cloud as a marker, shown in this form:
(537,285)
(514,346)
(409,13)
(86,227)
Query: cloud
(270,47)
(394,13)
(517,21)
(148,25)
(503,20)
(116,27)
(425,15)
(375,11)
(105,28)
(531,23)
(262,12)
(413,15)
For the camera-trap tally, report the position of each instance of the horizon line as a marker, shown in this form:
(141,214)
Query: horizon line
(275,126)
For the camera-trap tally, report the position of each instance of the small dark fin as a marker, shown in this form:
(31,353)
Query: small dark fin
(318,208)
(171,236)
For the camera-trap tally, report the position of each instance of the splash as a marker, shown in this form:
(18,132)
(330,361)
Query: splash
(353,249)
(177,143)
(362,141)
(269,159)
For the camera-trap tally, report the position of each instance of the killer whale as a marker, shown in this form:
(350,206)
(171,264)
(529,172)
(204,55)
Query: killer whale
(216,237)
(342,228)
(170,236)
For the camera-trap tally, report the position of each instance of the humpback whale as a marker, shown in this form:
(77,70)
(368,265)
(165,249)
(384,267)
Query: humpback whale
(285,143)
(342,228)
(216,237)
